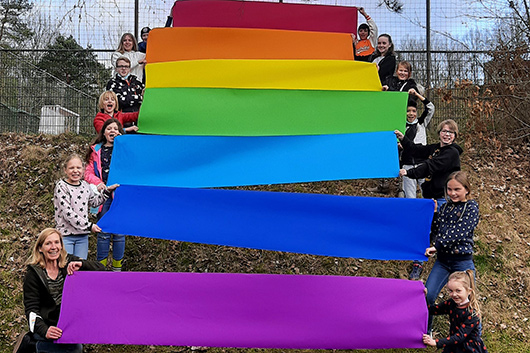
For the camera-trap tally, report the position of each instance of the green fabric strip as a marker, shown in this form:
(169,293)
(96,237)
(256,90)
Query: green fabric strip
(256,112)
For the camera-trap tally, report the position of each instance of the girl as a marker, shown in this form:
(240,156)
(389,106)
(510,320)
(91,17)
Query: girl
(97,171)
(452,233)
(384,57)
(401,80)
(128,47)
(72,200)
(108,108)
(464,313)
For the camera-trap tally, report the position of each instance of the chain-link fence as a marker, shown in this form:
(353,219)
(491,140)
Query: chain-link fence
(33,99)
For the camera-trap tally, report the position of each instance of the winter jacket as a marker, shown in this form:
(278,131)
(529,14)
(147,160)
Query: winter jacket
(416,132)
(387,66)
(123,118)
(93,173)
(40,308)
(439,163)
(129,92)
(464,331)
(397,85)
(453,229)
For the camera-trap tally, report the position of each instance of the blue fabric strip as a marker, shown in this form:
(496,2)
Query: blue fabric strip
(342,226)
(217,161)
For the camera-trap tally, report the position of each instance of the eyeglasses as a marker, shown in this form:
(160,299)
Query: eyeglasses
(123,67)
(447,132)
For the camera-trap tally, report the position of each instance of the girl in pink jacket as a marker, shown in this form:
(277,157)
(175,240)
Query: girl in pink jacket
(97,171)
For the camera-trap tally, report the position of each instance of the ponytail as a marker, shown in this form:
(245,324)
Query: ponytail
(467,278)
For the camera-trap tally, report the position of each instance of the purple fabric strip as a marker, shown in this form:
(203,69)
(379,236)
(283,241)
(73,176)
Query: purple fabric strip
(243,310)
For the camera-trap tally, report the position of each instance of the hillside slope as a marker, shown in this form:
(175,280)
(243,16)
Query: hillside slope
(29,167)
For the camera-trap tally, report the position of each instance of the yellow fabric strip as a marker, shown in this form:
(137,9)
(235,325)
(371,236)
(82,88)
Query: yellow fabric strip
(342,75)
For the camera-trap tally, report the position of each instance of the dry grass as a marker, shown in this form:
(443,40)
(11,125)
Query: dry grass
(29,168)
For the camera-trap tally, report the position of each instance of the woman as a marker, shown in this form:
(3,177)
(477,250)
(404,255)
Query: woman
(48,266)
(384,57)
(128,48)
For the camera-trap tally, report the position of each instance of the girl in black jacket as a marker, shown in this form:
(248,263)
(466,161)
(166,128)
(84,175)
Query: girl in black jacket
(384,57)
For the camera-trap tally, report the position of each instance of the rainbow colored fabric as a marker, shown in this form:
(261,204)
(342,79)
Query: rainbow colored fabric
(248,93)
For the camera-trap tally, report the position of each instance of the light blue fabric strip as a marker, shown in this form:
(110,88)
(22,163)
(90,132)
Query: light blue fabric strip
(218,161)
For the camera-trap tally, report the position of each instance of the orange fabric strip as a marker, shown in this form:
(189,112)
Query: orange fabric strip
(193,43)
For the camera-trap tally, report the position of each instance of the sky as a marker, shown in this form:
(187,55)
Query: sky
(100,23)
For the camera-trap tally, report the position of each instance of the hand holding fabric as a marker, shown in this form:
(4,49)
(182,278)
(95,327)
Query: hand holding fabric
(72,267)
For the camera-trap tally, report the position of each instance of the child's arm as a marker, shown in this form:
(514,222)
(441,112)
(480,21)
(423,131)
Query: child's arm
(428,112)
(436,165)
(99,120)
(440,309)
(96,199)
(463,332)
(129,117)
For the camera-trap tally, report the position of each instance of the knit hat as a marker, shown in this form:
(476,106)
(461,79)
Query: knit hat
(145,30)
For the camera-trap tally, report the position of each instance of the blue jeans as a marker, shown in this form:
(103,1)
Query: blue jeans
(76,245)
(103,245)
(48,346)
(438,278)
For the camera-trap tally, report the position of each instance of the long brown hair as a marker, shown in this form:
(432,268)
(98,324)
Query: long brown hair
(461,177)
(120,46)
(37,257)
(100,137)
(467,279)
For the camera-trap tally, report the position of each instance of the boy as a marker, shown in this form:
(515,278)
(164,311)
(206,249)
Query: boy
(365,46)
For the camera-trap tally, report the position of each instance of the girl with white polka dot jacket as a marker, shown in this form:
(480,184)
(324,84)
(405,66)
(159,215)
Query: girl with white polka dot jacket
(452,233)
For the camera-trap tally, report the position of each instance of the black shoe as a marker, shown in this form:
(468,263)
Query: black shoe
(415,274)
(25,344)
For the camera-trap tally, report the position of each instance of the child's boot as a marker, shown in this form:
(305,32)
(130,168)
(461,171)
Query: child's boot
(116,265)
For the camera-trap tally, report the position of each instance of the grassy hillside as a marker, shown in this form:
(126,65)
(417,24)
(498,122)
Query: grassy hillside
(29,167)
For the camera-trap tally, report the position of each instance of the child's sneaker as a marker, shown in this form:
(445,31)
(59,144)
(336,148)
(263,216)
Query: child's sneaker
(417,268)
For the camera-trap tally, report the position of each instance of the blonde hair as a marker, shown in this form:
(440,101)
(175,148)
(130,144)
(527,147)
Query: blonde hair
(121,49)
(37,257)
(467,279)
(101,102)
(452,126)
(406,65)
